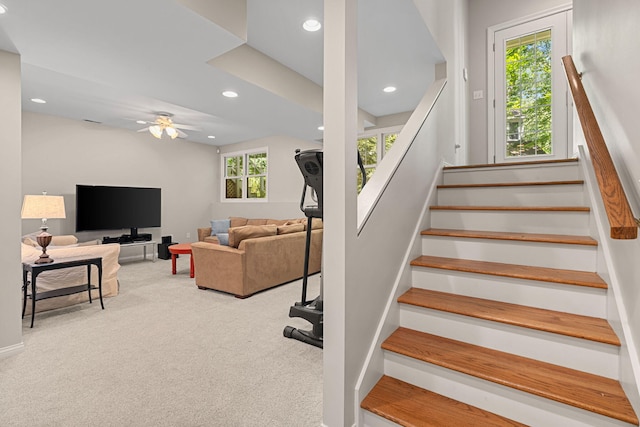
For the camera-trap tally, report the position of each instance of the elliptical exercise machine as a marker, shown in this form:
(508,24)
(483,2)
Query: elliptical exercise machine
(310,164)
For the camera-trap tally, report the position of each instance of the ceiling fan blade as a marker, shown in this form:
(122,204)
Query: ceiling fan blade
(143,129)
(181,134)
(187,127)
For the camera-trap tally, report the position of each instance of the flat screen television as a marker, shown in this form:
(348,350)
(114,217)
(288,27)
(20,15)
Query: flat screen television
(114,208)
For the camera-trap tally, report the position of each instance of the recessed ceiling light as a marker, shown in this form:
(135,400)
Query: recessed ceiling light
(230,94)
(141,122)
(211,137)
(38,101)
(3,9)
(320,127)
(312,25)
(389,89)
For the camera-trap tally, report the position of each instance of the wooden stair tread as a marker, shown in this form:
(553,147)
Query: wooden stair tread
(572,325)
(511,208)
(408,405)
(582,390)
(504,235)
(498,165)
(545,274)
(511,184)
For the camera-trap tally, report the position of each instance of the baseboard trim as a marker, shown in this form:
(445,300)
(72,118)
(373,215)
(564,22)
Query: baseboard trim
(11,350)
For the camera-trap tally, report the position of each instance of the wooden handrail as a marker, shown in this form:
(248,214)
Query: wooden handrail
(621,220)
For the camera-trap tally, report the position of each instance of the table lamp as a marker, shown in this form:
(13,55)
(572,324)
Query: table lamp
(43,207)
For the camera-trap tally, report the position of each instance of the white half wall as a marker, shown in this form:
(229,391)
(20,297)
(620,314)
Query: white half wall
(10,295)
(58,153)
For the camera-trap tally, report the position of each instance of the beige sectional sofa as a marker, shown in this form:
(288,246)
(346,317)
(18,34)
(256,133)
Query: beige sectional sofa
(262,253)
(67,247)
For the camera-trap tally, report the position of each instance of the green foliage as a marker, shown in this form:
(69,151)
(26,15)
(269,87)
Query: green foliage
(528,89)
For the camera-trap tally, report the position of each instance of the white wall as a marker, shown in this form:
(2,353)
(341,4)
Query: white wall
(447,23)
(284,184)
(482,15)
(10,295)
(606,52)
(58,153)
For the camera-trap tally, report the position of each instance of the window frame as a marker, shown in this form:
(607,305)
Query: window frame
(245,175)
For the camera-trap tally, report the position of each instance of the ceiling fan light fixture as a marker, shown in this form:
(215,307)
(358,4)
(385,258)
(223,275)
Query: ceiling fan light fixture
(156,131)
(171,132)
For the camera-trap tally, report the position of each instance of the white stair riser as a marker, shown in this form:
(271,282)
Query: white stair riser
(596,358)
(546,222)
(512,174)
(552,296)
(510,403)
(570,257)
(538,195)
(372,420)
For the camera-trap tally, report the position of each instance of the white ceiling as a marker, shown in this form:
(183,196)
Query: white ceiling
(120,61)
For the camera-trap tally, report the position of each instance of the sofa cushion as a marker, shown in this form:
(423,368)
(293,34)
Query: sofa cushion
(290,228)
(277,222)
(237,221)
(256,221)
(238,234)
(212,239)
(220,226)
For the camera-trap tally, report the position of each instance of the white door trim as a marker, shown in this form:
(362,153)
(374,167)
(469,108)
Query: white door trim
(491,151)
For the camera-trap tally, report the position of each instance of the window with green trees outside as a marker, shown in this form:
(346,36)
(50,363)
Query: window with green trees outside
(245,175)
(528,89)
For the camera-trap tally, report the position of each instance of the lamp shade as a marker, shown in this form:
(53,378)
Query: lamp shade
(43,206)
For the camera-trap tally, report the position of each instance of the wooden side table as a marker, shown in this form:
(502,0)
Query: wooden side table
(36,269)
(181,248)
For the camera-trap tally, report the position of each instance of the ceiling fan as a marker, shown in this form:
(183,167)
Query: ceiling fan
(163,123)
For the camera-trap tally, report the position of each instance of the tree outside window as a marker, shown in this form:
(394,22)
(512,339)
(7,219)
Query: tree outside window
(372,147)
(245,175)
(528,80)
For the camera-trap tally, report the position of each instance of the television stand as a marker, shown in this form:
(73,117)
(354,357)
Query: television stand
(144,245)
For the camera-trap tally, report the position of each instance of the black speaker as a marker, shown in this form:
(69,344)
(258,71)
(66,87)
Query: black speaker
(163,250)
(166,239)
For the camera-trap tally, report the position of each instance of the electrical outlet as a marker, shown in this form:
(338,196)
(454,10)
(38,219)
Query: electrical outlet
(188,235)
(477,94)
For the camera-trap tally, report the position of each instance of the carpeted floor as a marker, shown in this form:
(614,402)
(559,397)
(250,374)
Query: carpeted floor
(164,353)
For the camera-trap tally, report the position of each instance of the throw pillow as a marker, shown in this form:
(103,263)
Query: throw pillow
(223,238)
(238,234)
(220,226)
(290,228)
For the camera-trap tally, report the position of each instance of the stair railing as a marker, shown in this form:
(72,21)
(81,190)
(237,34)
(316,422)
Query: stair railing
(621,220)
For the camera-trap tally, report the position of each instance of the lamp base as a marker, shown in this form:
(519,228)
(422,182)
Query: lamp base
(43,240)
(44,259)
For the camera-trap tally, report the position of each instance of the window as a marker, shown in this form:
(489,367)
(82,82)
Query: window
(245,175)
(372,147)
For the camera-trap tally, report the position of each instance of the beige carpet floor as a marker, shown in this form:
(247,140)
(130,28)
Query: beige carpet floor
(164,353)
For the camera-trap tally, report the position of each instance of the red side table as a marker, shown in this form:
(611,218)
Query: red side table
(181,248)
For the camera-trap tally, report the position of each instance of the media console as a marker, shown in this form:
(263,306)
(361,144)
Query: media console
(144,245)
(141,239)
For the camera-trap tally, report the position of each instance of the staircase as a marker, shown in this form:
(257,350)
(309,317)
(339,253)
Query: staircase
(505,324)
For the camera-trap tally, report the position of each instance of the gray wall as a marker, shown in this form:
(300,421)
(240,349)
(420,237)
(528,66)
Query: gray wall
(482,15)
(10,296)
(606,52)
(59,153)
